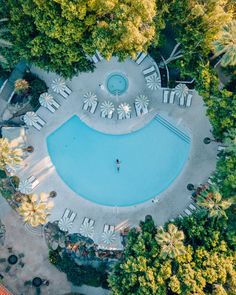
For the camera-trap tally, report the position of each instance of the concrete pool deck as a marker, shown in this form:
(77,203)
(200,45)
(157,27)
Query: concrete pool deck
(172,201)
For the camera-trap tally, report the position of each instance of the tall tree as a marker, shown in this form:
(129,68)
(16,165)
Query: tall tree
(47,32)
(225,45)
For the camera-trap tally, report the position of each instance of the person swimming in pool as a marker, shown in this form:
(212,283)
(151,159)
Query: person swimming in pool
(118,165)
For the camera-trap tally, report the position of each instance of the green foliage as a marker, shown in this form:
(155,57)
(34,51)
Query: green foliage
(37,86)
(209,260)
(56,35)
(2,174)
(78,274)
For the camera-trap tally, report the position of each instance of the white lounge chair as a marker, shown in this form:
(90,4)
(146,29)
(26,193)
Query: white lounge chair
(94,59)
(106,228)
(187,212)
(64,94)
(68,90)
(50,108)
(37,126)
(40,121)
(181,100)
(221,148)
(189,100)
(172,97)
(72,216)
(165,96)
(66,213)
(149,71)
(55,104)
(34,181)
(192,207)
(93,108)
(99,55)
(140,58)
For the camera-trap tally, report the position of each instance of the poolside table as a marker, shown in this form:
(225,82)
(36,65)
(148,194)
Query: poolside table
(37,282)
(12,259)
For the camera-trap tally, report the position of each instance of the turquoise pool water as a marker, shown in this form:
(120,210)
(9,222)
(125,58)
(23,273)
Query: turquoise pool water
(117,83)
(151,158)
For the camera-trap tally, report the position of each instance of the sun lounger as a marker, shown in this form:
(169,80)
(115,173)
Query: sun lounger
(189,100)
(41,121)
(138,110)
(50,108)
(187,212)
(91,222)
(172,97)
(95,59)
(221,148)
(106,228)
(149,71)
(37,126)
(180,216)
(72,216)
(66,213)
(35,183)
(55,104)
(99,55)
(110,115)
(64,94)
(141,58)
(209,181)
(93,108)
(192,207)
(68,90)
(181,101)
(165,96)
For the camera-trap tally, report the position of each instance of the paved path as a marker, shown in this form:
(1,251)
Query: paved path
(173,201)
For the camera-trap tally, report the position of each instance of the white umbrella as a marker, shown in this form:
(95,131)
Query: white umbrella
(58,85)
(123,110)
(141,101)
(108,237)
(46,99)
(65,224)
(25,186)
(87,230)
(30,118)
(153,82)
(181,90)
(90,98)
(107,108)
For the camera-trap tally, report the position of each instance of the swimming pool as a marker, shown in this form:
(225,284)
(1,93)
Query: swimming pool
(117,83)
(151,158)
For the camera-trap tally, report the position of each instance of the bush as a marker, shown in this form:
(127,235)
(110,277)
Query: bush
(2,174)
(54,257)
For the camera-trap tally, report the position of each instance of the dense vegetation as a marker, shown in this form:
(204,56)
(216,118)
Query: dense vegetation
(198,258)
(47,32)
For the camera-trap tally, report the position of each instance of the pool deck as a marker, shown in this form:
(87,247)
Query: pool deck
(173,201)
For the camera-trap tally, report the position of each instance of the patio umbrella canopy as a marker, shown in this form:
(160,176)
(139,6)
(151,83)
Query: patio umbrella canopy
(108,237)
(141,101)
(124,109)
(30,118)
(107,108)
(58,85)
(181,90)
(25,186)
(90,98)
(87,230)
(153,82)
(46,99)
(65,224)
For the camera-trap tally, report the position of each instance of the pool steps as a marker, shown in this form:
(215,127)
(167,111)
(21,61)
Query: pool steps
(171,127)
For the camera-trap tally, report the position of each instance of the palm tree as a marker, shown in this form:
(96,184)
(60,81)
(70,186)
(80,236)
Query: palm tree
(34,209)
(3,42)
(226,45)
(9,156)
(212,201)
(170,241)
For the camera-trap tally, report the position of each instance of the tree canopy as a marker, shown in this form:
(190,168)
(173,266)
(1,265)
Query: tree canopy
(58,34)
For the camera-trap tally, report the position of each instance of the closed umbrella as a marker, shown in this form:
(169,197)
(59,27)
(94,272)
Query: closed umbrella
(107,108)
(90,98)
(25,186)
(46,99)
(65,224)
(58,85)
(153,82)
(30,118)
(108,237)
(181,90)
(87,230)
(141,101)
(123,110)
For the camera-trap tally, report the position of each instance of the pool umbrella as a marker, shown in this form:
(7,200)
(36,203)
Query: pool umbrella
(46,99)
(108,237)
(141,101)
(181,90)
(107,108)
(153,82)
(25,186)
(58,85)
(90,98)
(65,224)
(123,110)
(87,230)
(30,118)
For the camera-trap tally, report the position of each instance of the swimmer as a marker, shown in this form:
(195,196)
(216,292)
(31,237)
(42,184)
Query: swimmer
(118,165)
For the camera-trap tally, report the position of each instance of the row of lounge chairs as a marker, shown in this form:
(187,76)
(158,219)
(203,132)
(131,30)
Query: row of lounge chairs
(97,57)
(169,96)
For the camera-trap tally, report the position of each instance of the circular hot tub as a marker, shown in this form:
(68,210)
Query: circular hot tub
(117,83)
